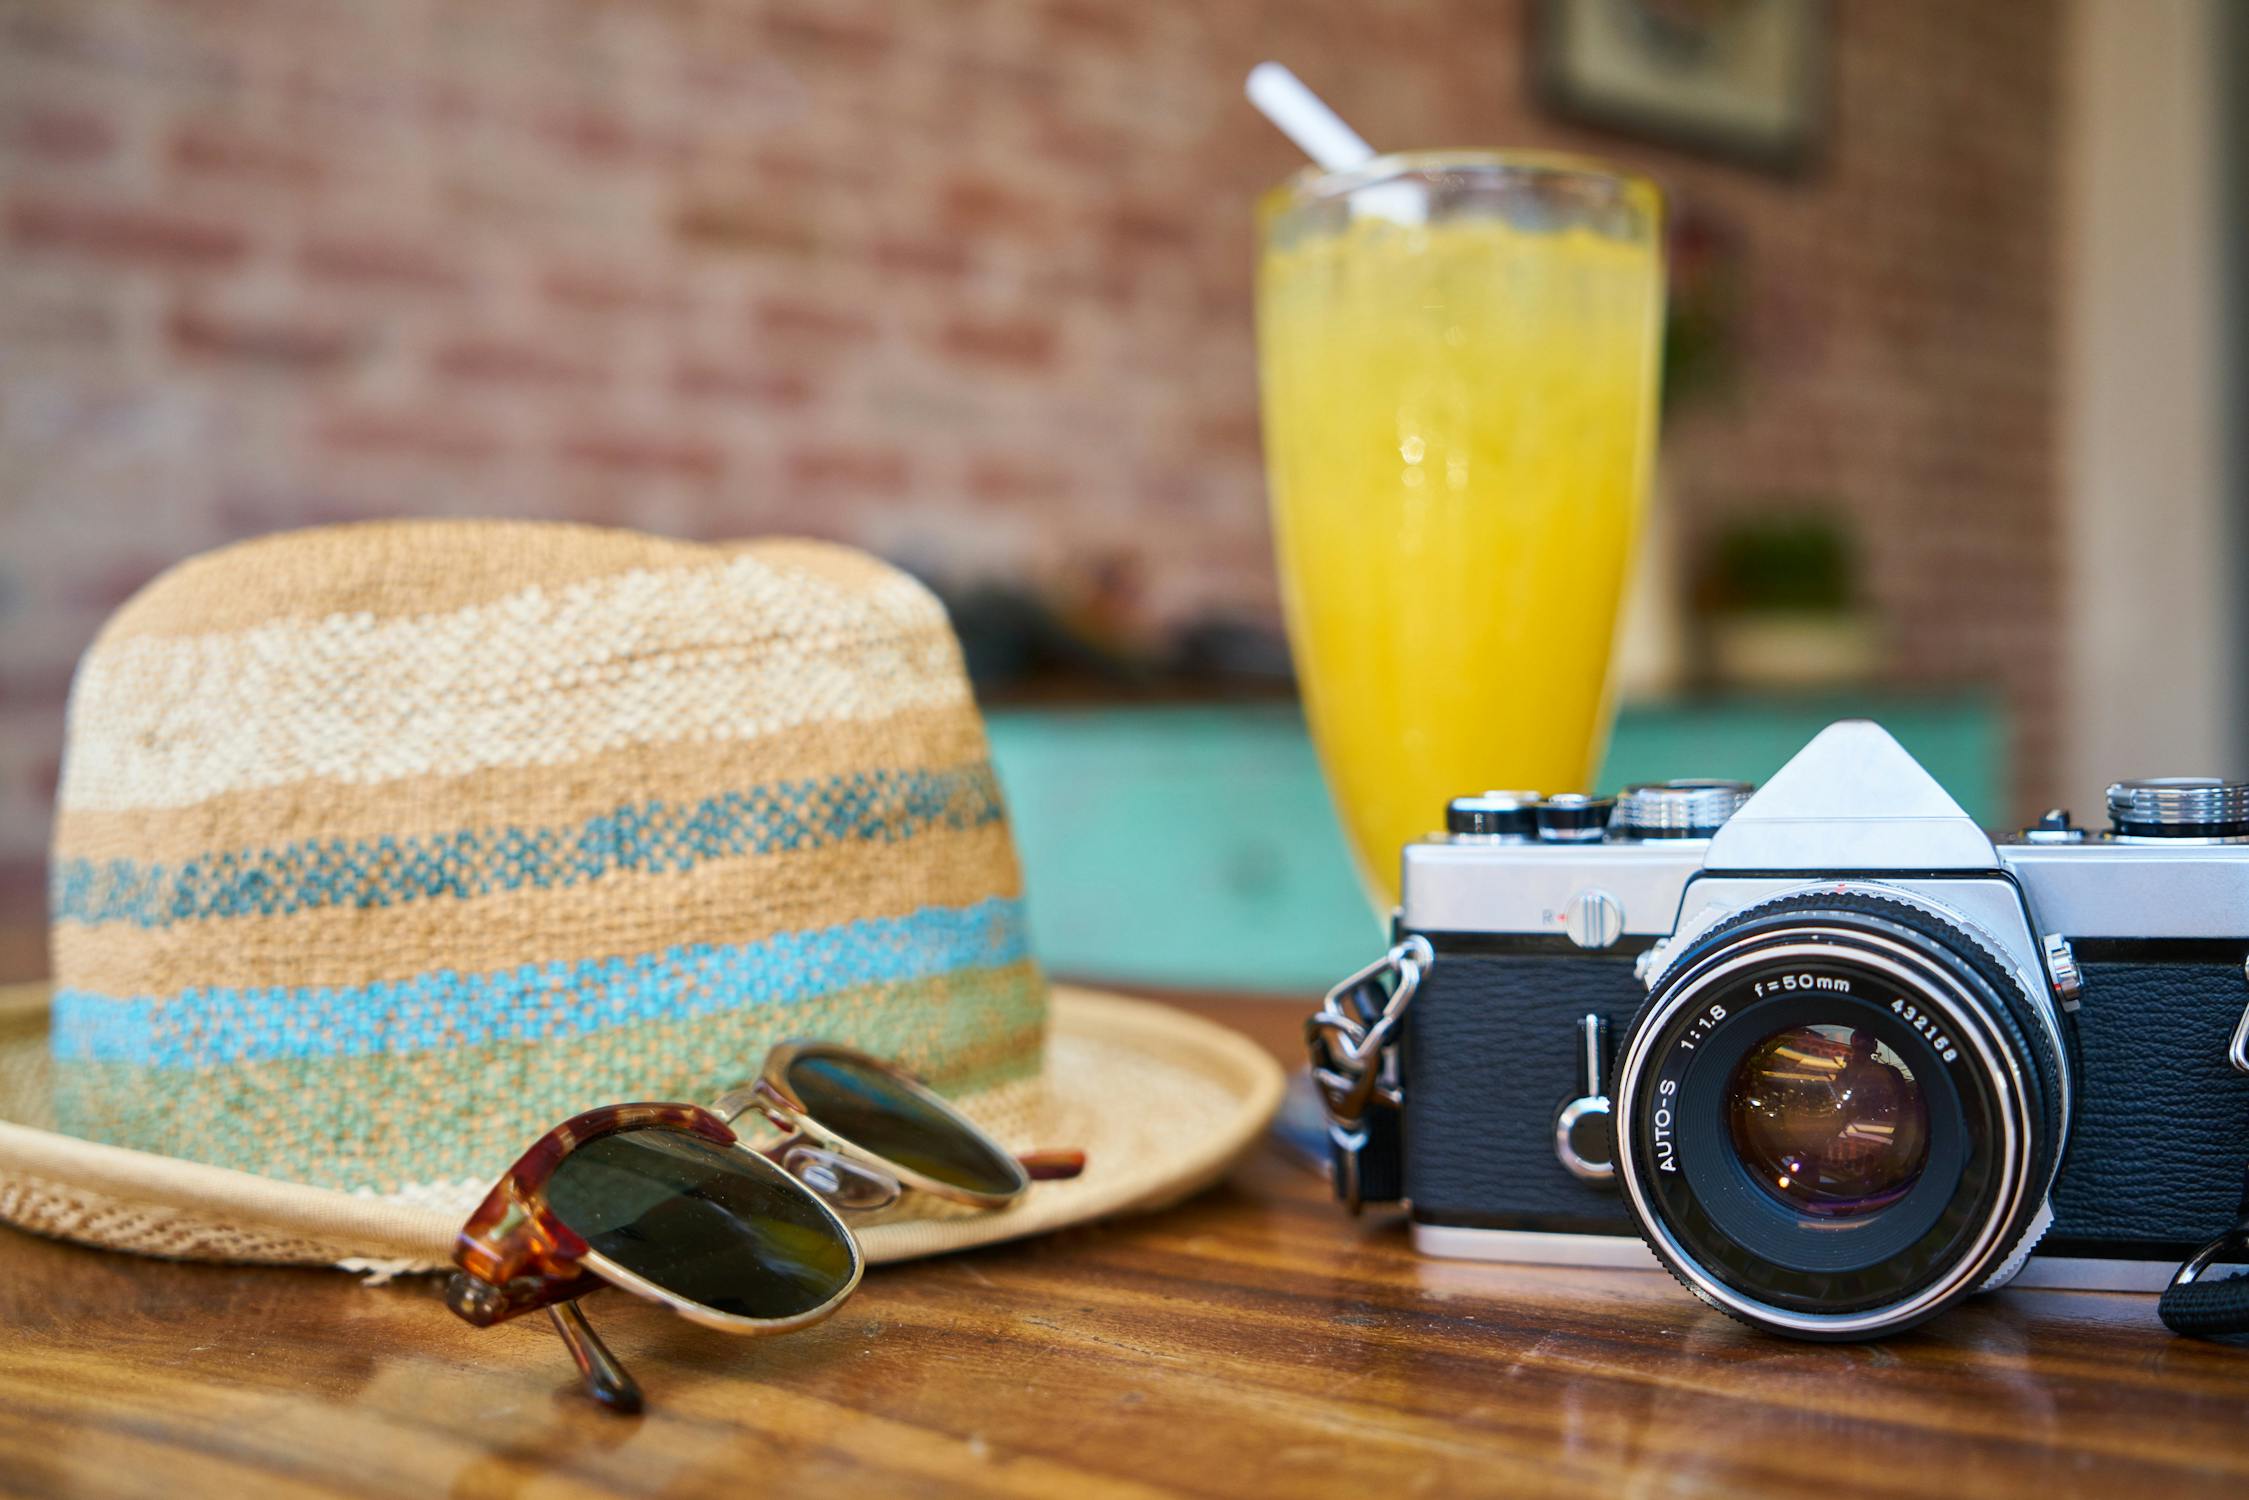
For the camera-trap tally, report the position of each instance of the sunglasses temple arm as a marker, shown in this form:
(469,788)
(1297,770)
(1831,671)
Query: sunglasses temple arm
(1052,1166)
(606,1379)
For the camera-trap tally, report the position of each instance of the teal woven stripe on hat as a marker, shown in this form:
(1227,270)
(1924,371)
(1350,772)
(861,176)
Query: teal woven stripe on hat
(426,1075)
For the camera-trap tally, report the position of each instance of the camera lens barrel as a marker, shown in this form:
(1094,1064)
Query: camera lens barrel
(1838,1113)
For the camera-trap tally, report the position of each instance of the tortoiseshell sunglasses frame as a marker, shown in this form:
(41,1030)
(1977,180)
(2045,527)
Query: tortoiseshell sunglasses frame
(515,1256)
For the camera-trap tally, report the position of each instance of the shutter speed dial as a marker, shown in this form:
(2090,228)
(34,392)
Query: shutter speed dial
(2173,807)
(1678,809)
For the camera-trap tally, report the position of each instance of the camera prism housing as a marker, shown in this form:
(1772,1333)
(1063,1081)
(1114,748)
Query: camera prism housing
(1829,1052)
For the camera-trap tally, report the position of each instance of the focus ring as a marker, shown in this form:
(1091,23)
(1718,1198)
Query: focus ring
(1977,975)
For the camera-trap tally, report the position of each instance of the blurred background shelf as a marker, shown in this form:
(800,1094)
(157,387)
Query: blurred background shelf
(1193,846)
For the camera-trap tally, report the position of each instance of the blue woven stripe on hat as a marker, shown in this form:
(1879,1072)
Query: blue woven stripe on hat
(212,1027)
(653,837)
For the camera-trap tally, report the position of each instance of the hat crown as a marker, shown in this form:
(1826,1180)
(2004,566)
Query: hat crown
(381,848)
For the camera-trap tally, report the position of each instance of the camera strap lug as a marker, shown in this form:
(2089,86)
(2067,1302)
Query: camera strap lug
(1352,1039)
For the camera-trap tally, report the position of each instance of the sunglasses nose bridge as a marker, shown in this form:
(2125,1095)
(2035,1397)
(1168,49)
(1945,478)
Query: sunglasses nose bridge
(848,1184)
(735,1103)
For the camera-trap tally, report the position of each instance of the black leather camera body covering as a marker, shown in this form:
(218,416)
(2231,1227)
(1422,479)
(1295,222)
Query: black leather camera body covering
(2159,1127)
(1491,1055)
(2159,1123)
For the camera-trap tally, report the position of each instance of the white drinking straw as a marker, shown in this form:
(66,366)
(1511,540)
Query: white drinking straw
(1304,117)
(1320,133)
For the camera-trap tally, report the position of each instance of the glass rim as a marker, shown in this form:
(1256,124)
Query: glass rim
(1314,184)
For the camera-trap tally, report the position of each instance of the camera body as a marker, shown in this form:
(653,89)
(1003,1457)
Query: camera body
(1828,1051)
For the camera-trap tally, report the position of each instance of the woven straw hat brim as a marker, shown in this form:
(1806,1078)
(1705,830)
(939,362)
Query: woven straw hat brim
(1160,1101)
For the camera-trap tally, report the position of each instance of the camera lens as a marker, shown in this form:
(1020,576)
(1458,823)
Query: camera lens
(1838,1113)
(1828,1120)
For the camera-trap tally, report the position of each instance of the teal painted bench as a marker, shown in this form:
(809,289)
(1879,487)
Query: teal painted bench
(1194,847)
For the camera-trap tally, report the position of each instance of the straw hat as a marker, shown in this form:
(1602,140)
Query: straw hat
(382,849)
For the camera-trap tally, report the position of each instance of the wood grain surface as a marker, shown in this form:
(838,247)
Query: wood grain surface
(1251,1342)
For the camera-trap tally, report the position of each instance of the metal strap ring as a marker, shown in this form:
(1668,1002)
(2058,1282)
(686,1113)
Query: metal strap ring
(1362,1044)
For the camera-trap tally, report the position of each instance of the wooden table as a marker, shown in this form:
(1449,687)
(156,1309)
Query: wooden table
(1252,1341)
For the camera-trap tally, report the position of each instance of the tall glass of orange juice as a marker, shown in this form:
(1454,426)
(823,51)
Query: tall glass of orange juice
(1458,356)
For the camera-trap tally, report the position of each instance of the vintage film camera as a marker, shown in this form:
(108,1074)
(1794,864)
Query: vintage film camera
(1828,1051)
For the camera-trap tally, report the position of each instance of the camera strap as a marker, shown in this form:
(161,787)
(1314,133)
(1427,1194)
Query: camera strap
(2205,1306)
(1353,1042)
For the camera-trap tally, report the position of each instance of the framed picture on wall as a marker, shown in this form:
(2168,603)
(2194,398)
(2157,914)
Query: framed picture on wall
(1744,79)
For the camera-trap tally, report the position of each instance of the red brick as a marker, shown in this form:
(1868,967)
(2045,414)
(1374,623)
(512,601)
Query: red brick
(432,433)
(62,133)
(1002,479)
(1234,432)
(297,342)
(743,224)
(1109,284)
(126,232)
(1097,150)
(803,318)
(707,380)
(920,256)
(205,149)
(604,138)
(978,206)
(647,454)
(512,362)
(1094,23)
(825,470)
(1008,83)
(790,167)
(821,32)
(1148,228)
(1014,343)
(593,289)
(362,259)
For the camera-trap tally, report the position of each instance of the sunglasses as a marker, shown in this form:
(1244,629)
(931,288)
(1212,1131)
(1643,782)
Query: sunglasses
(665,1201)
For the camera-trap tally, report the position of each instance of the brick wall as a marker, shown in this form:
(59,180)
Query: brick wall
(963,280)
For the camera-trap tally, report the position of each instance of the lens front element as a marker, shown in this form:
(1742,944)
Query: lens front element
(1838,1113)
(1828,1119)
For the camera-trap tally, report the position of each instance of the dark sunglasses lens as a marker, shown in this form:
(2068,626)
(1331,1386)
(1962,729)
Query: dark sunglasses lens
(713,1224)
(876,1112)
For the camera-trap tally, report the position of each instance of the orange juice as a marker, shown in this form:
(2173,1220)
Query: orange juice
(1459,420)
